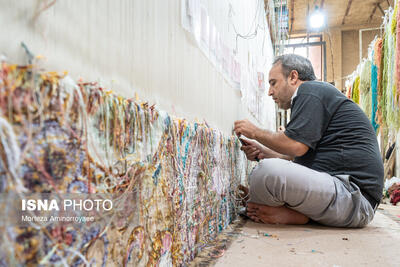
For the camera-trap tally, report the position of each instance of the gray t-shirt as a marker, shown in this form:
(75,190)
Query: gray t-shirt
(339,135)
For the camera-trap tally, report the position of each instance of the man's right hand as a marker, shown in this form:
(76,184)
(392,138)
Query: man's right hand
(255,151)
(251,149)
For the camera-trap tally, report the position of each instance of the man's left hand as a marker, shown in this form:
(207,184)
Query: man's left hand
(246,128)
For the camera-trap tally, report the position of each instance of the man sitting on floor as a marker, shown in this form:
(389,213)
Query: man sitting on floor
(324,166)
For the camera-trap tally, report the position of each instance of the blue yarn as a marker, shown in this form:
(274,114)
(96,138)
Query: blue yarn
(374,95)
(156,174)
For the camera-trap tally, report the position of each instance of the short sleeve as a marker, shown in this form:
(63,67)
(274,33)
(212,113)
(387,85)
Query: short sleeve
(308,120)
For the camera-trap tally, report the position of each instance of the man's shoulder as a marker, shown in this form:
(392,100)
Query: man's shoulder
(328,95)
(317,87)
(321,90)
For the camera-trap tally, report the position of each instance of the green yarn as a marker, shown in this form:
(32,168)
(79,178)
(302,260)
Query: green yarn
(393,23)
(390,114)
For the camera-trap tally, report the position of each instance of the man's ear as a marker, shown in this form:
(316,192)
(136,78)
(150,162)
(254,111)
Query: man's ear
(294,76)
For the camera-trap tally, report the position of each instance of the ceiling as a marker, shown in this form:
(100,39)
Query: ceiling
(339,13)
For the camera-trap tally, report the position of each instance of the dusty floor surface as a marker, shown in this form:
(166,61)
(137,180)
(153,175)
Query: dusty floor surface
(378,244)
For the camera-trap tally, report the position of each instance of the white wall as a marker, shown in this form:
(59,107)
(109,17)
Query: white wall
(130,47)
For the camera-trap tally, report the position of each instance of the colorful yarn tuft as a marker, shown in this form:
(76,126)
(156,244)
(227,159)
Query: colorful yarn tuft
(174,184)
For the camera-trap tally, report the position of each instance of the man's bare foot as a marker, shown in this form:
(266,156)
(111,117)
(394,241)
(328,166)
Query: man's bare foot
(275,215)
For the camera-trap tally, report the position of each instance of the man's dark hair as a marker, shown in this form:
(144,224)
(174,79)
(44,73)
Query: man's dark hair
(298,63)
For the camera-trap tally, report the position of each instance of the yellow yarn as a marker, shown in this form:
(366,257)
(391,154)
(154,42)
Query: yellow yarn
(356,90)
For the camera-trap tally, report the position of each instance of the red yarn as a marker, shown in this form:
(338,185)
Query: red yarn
(394,193)
(395,197)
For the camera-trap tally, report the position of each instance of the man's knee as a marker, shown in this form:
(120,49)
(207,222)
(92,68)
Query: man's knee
(267,181)
(268,169)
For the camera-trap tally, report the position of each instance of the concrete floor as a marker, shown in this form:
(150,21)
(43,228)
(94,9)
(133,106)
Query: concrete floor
(378,244)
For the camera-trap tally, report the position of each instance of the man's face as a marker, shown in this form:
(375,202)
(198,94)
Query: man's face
(279,88)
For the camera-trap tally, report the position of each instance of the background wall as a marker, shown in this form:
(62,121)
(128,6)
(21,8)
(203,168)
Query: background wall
(130,47)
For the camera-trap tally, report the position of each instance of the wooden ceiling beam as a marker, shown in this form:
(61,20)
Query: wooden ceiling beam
(380,8)
(346,27)
(347,11)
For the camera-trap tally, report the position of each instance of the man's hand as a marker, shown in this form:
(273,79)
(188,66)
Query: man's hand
(278,142)
(255,151)
(251,149)
(246,128)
